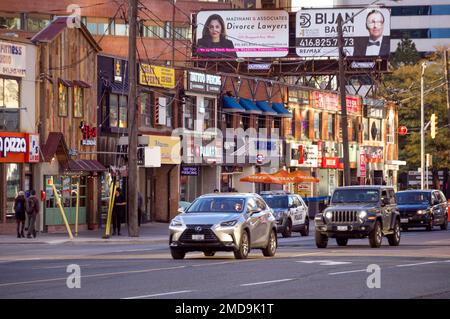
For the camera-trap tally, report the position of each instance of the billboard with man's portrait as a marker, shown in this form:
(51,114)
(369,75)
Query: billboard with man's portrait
(366,32)
(242,34)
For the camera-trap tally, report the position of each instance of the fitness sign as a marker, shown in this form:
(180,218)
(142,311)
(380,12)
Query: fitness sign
(19,148)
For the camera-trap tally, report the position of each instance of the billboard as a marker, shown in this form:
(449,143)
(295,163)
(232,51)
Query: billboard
(152,75)
(366,32)
(242,34)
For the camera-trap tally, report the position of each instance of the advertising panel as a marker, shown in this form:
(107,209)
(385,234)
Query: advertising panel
(19,147)
(170,148)
(366,32)
(12,59)
(242,34)
(152,75)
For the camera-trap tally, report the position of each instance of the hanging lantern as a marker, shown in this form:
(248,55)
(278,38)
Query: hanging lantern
(402,130)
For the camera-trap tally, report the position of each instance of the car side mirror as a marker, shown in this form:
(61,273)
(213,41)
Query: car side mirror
(181,210)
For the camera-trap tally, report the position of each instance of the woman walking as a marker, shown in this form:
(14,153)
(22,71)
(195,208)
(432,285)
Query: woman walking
(19,209)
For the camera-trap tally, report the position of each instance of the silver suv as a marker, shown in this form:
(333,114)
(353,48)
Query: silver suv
(224,222)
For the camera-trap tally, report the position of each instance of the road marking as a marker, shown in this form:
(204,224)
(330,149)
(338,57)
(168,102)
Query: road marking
(325,262)
(90,276)
(162,294)
(266,282)
(347,272)
(56,267)
(418,264)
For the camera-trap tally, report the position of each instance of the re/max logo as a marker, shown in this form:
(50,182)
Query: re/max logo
(13,145)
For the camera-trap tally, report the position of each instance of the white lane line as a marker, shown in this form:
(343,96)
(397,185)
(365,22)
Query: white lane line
(325,262)
(418,264)
(90,276)
(56,267)
(162,294)
(347,272)
(266,282)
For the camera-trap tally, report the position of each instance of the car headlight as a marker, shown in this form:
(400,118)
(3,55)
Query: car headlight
(421,212)
(229,223)
(329,215)
(176,223)
(362,214)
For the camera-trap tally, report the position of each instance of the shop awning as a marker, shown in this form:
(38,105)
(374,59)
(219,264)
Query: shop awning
(85,166)
(280,177)
(55,146)
(249,106)
(281,110)
(265,108)
(231,105)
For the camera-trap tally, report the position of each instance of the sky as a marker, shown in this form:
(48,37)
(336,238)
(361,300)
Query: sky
(311,3)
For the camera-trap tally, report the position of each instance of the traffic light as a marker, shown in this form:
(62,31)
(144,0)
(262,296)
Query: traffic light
(433,125)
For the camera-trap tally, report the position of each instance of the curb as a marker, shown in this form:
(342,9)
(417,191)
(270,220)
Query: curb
(78,242)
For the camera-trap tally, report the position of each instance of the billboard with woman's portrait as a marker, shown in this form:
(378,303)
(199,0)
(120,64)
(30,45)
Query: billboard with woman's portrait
(242,34)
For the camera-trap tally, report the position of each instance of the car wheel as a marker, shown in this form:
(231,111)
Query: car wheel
(444,226)
(287,232)
(342,241)
(394,239)
(271,248)
(321,240)
(209,253)
(430,225)
(376,236)
(177,254)
(305,231)
(244,247)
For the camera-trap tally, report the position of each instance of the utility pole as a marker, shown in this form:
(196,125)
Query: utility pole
(173,32)
(132,199)
(422,129)
(447,86)
(344,120)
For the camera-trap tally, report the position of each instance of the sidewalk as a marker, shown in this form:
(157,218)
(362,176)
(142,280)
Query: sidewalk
(148,233)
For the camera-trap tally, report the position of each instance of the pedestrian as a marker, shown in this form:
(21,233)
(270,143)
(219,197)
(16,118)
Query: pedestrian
(118,211)
(32,209)
(19,209)
(140,208)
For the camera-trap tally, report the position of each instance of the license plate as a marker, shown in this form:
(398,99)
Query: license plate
(404,220)
(198,237)
(342,228)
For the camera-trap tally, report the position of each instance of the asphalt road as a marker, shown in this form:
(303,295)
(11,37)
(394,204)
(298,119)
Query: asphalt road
(418,268)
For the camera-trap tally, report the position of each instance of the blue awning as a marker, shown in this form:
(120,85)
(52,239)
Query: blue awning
(265,108)
(249,106)
(281,110)
(231,105)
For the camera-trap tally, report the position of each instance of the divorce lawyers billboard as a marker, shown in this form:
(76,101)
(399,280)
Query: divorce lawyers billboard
(366,32)
(242,34)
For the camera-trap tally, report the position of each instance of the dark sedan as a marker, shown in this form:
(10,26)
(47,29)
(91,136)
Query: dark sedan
(422,208)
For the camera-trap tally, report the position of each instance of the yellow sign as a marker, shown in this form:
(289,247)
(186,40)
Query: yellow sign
(170,148)
(160,76)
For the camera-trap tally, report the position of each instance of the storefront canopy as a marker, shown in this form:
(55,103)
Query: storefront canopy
(281,110)
(265,108)
(280,177)
(231,105)
(85,166)
(249,106)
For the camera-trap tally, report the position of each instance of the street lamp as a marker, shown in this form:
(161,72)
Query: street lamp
(344,121)
(422,129)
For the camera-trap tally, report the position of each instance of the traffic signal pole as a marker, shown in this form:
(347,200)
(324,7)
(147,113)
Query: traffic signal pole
(422,129)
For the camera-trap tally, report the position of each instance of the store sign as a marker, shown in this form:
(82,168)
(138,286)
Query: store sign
(353,104)
(374,154)
(362,166)
(152,75)
(299,96)
(259,66)
(325,101)
(170,148)
(189,171)
(89,134)
(316,32)
(205,83)
(303,155)
(12,59)
(374,108)
(19,148)
(117,70)
(249,33)
(330,162)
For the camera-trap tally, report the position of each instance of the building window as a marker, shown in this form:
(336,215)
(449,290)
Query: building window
(10,21)
(245,122)
(189,112)
(9,93)
(78,97)
(152,30)
(317,125)
(13,186)
(365,129)
(355,130)
(63,99)
(209,118)
(98,25)
(145,109)
(305,124)
(331,126)
(277,124)
(37,22)
(113,110)
(261,122)
(120,27)
(123,108)
(375,130)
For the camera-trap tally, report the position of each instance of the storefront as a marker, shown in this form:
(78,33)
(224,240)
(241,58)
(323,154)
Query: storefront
(303,156)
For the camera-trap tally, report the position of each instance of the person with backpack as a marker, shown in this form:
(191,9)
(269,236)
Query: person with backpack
(19,209)
(32,208)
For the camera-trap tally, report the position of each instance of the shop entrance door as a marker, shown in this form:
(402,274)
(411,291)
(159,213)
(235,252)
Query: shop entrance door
(149,202)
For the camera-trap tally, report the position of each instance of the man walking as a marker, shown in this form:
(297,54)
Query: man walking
(32,207)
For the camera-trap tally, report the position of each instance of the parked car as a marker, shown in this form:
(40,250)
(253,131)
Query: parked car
(290,211)
(359,212)
(182,205)
(224,222)
(422,208)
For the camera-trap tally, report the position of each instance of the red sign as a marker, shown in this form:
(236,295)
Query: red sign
(301,157)
(19,147)
(374,154)
(330,162)
(353,104)
(402,130)
(325,101)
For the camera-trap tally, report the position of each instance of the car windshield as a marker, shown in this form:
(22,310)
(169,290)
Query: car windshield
(276,201)
(355,196)
(217,205)
(413,198)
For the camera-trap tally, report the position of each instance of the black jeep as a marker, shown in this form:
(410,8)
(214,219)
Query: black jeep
(359,212)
